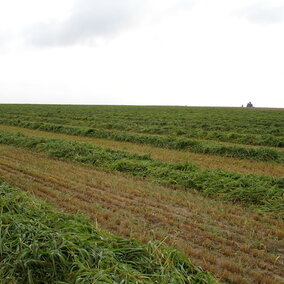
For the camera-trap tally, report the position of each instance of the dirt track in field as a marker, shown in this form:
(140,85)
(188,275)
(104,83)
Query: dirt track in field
(231,242)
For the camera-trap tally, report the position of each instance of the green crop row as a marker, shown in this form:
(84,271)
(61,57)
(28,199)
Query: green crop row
(40,245)
(174,130)
(159,120)
(170,142)
(262,192)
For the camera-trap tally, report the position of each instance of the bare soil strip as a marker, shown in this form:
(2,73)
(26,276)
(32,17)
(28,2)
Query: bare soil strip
(231,242)
(203,160)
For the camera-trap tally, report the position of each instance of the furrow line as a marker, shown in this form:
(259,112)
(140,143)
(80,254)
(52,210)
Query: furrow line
(43,184)
(156,216)
(232,230)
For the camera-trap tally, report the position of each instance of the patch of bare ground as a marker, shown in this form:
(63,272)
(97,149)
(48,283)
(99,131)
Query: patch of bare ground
(233,243)
(203,160)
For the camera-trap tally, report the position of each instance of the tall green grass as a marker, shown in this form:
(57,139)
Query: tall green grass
(262,192)
(40,245)
(170,142)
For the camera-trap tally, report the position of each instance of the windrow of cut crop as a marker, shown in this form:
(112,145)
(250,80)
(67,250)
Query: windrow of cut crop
(169,142)
(156,119)
(262,192)
(172,130)
(40,245)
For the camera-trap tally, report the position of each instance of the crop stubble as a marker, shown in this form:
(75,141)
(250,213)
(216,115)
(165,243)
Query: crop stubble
(231,242)
(203,160)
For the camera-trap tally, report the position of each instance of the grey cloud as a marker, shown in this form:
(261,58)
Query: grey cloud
(95,19)
(89,19)
(263,12)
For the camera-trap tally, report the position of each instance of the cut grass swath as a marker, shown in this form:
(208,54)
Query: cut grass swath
(261,192)
(169,142)
(40,245)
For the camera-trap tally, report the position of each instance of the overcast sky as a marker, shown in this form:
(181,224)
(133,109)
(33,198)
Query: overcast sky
(150,52)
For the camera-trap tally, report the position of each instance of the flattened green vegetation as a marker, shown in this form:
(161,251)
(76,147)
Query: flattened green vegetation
(244,166)
(40,245)
(169,142)
(253,121)
(262,192)
(190,133)
(261,127)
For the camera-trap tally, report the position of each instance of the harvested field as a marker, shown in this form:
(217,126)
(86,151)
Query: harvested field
(207,181)
(161,141)
(233,243)
(39,244)
(203,160)
(258,192)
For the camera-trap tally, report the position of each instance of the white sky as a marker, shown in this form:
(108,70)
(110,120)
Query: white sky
(157,52)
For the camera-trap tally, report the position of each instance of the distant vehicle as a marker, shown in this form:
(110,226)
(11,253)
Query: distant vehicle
(249,104)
